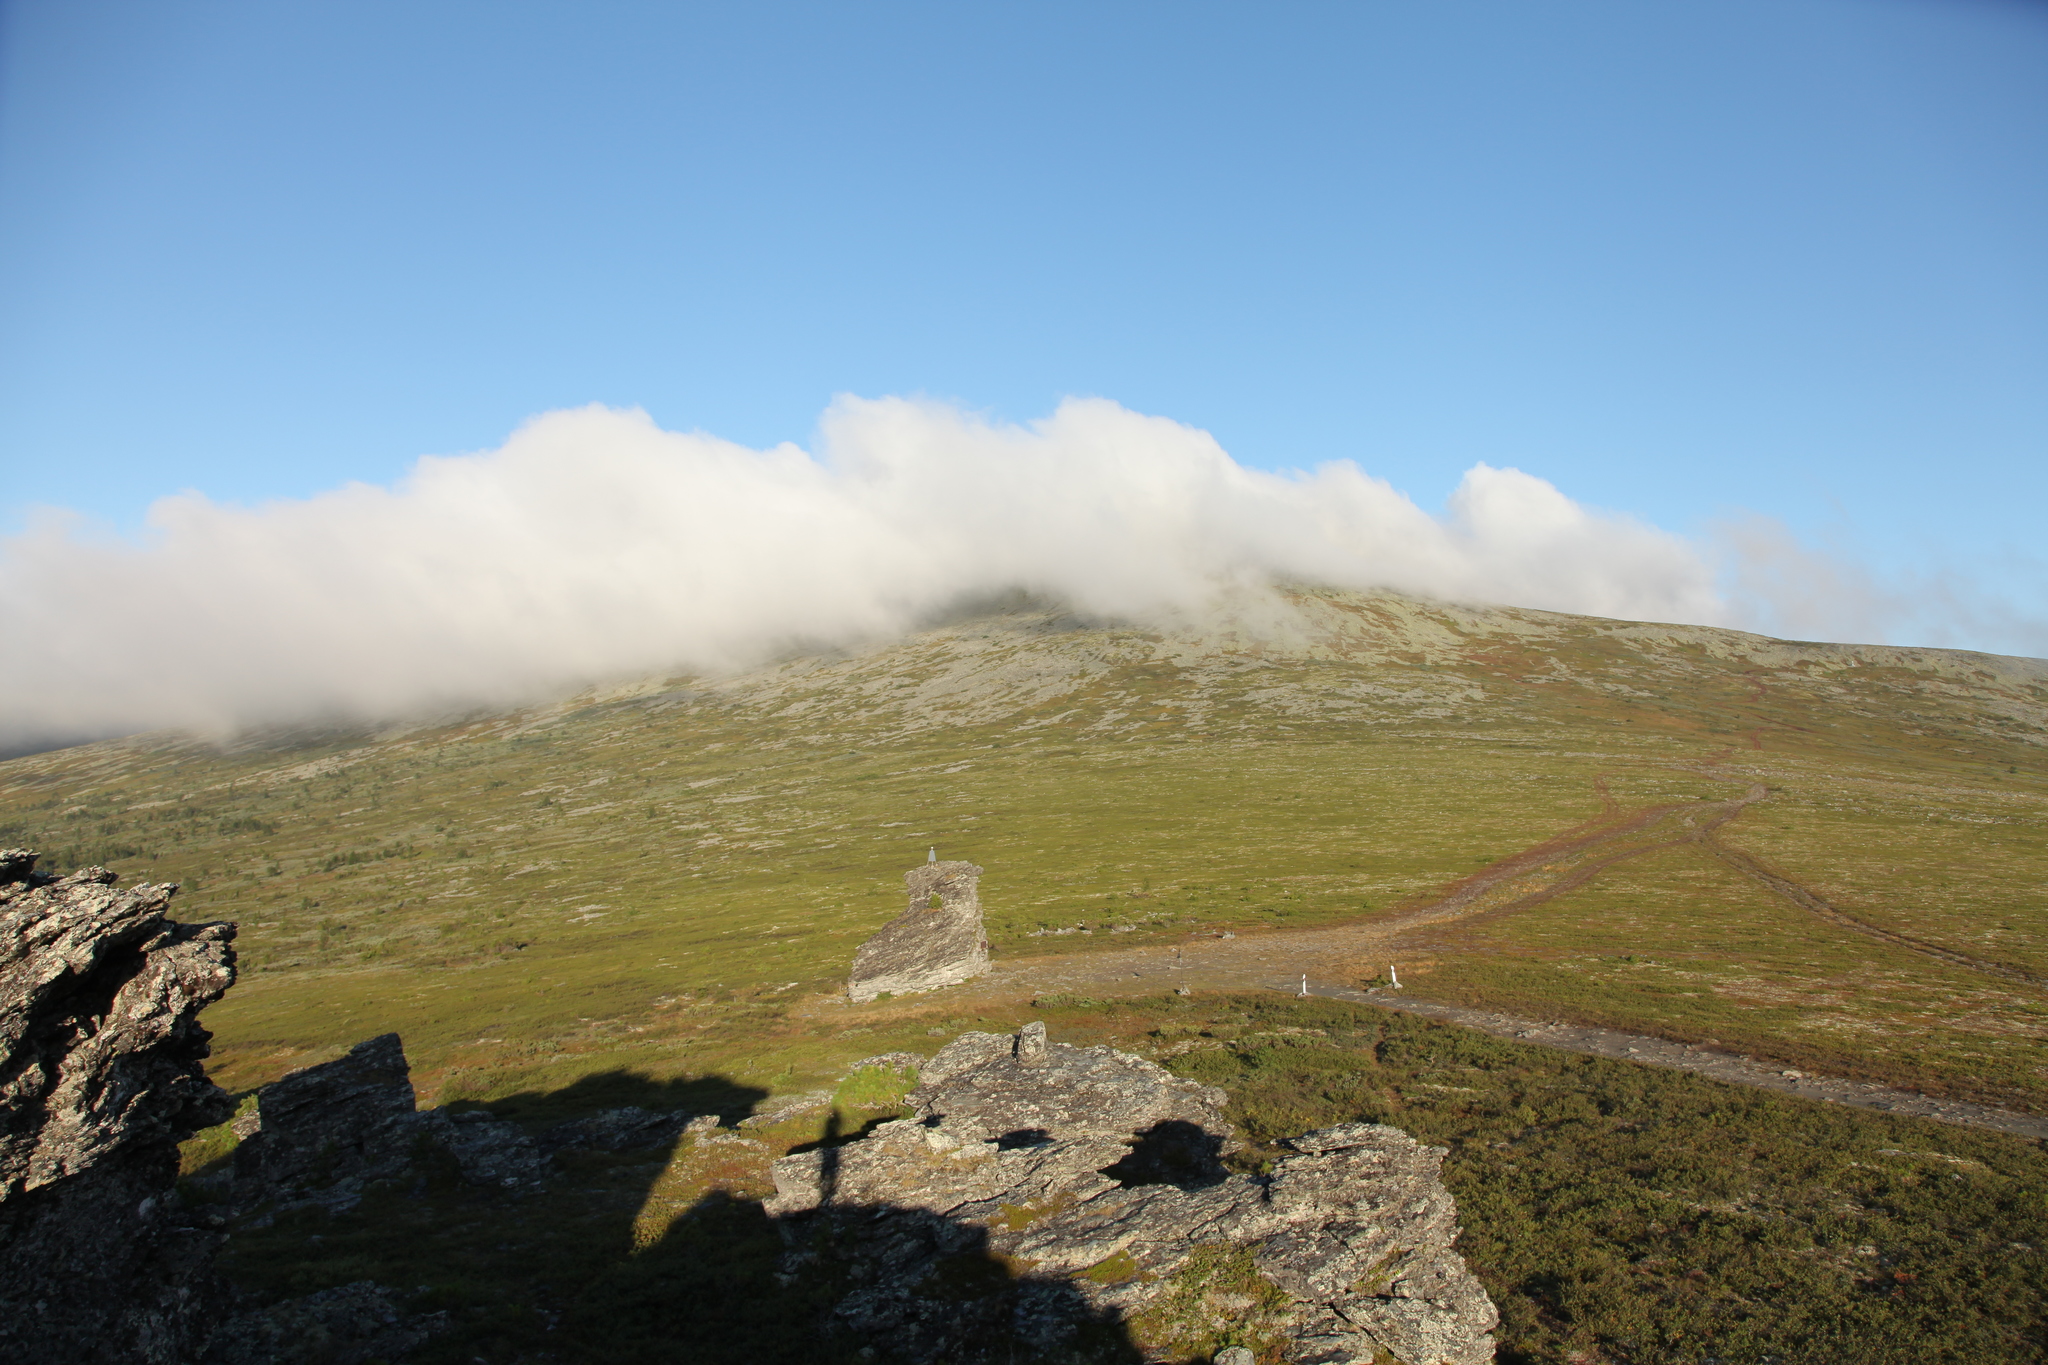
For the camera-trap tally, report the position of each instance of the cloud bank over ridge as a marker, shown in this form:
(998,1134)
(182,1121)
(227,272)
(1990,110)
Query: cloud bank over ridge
(595,545)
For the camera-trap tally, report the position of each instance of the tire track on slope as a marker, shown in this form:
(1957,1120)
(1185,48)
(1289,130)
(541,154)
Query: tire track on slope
(1543,857)
(1561,861)
(1564,863)
(1750,866)
(1710,1061)
(1250,961)
(1705,833)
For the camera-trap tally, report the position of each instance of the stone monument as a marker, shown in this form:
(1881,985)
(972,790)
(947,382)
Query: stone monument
(937,941)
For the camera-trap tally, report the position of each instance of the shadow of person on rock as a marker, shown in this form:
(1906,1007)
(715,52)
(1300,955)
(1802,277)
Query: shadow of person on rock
(1173,1152)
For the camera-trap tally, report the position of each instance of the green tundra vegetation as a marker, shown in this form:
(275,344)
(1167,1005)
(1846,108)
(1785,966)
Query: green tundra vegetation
(1614,1212)
(1829,856)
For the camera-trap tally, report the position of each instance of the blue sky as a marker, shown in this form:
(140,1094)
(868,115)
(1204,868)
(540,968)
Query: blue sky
(1683,260)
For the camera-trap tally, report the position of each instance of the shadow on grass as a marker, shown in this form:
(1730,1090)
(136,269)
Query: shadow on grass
(720,1095)
(628,1256)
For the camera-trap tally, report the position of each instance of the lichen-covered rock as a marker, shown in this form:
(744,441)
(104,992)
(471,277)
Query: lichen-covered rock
(100,1080)
(937,941)
(778,1109)
(1018,1090)
(1071,1202)
(487,1151)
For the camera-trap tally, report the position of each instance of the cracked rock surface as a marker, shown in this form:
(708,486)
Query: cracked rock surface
(101,1078)
(1070,1203)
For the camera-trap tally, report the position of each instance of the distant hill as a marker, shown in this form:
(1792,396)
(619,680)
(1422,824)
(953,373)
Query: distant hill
(619,872)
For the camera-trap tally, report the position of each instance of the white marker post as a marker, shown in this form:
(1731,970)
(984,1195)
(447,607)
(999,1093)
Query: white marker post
(1394,976)
(1302,994)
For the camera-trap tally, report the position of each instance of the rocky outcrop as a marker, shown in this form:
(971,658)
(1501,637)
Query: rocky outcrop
(937,941)
(100,1080)
(324,1125)
(352,1324)
(627,1129)
(1053,1201)
(322,1134)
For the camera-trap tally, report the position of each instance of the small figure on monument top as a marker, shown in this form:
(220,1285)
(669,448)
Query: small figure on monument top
(936,941)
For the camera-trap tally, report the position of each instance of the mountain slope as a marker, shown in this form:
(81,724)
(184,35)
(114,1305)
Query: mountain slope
(664,874)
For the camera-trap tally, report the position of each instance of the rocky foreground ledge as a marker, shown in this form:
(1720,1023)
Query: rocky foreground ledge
(1072,1201)
(1044,1202)
(100,1080)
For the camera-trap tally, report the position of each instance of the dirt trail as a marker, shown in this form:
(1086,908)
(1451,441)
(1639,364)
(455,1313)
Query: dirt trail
(1599,1042)
(1345,952)
(1697,821)
(1318,960)
(1515,883)
(1707,1061)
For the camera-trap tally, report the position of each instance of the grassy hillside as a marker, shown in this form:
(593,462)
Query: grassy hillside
(670,877)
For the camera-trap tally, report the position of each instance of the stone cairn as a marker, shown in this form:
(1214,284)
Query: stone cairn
(1055,1202)
(937,940)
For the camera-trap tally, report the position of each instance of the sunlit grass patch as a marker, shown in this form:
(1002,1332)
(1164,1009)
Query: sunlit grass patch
(875,1088)
(1214,1300)
(209,1148)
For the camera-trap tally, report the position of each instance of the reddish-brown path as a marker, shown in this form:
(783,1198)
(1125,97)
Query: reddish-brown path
(1328,962)
(1349,952)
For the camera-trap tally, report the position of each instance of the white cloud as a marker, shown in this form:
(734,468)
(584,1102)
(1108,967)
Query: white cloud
(1781,587)
(593,545)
